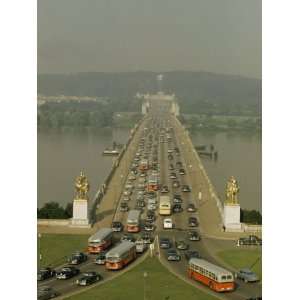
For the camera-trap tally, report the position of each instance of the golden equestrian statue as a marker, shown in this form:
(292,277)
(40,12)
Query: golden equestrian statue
(82,186)
(232,190)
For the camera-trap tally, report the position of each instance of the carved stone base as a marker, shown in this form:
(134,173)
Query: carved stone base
(232,218)
(80,213)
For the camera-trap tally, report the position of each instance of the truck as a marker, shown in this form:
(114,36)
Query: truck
(165,206)
(251,240)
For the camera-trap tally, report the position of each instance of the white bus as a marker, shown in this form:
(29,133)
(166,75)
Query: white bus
(217,278)
(120,256)
(133,220)
(100,240)
(164,206)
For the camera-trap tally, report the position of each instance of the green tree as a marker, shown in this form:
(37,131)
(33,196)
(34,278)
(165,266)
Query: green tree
(69,210)
(51,210)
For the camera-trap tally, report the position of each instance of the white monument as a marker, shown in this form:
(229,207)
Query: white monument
(232,209)
(80,202)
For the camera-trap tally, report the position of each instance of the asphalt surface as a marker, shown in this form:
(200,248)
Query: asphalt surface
(206,247)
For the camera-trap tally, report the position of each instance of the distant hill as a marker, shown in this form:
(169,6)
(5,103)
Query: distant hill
(195,90)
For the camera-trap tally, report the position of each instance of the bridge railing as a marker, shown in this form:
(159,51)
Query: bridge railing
(103,187)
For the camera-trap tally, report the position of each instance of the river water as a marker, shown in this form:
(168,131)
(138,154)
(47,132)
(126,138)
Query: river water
(63,154)
(239,154)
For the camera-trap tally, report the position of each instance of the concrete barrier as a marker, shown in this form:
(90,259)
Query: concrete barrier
(212,190)
(53,222)
(103,187)
(251,228)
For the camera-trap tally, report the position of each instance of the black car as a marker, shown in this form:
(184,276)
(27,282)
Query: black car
(176,184)
(176,196)
(164,189)
(182,172)
(46,292)
(193,222)
(150,217)
(140,203)
(194,235)
(164,243)
(170,157)
(181,245)
(127,237)
(177,208)
(191,254)
(77,258)
(117,226)
(173,175)
(177,200)
(185,188)
(191,207)
(88,278)
(100,259)
(172,255)
(147,238)
(45,273)
(171,167)
(124,207)
(148,226)
(67,272)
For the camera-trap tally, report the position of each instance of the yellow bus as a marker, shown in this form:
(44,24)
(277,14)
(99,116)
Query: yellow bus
(164,206)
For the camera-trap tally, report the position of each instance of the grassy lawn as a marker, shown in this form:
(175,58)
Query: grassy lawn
(160,284)
(55,247)
(242,258)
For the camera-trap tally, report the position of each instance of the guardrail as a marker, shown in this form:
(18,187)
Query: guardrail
(53,222)
(103,188)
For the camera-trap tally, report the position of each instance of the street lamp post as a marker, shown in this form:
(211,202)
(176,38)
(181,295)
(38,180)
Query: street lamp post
(145,276)
(39,247)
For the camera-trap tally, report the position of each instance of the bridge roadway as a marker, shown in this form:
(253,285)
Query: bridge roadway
(213,239)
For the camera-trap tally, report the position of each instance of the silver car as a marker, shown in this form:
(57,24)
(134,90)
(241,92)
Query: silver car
(45,293)
(247,275)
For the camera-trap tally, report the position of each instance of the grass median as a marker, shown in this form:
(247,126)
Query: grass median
(149,280)
(55,247)
(242,258)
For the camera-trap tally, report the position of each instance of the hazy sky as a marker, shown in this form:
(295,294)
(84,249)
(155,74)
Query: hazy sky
(222,36)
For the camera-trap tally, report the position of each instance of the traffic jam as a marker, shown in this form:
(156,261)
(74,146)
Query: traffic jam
(156,203)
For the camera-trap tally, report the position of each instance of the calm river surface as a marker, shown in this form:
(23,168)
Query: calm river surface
(62,154)
(239,154)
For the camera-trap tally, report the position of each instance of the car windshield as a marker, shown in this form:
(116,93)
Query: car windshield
(112,259)
(44,289)
(248,272)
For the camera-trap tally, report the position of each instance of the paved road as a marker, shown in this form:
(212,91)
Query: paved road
(206,212)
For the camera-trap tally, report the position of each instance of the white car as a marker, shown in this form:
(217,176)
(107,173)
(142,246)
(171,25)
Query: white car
(151,206)
(168,224)
(152,201)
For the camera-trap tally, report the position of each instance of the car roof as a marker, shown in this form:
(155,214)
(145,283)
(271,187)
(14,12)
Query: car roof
(246,270)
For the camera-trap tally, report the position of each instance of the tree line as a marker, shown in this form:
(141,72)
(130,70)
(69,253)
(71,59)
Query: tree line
(52,210)
(82,114)
(251,217)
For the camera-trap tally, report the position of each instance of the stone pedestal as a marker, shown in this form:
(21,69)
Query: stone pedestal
(80,213)
(232,214)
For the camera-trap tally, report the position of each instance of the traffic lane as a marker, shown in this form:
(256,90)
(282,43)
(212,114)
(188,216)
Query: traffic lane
(69,285)
(242,291)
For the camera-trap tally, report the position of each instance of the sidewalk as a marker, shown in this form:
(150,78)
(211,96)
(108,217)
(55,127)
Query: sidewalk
(209,215)
(109,204)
